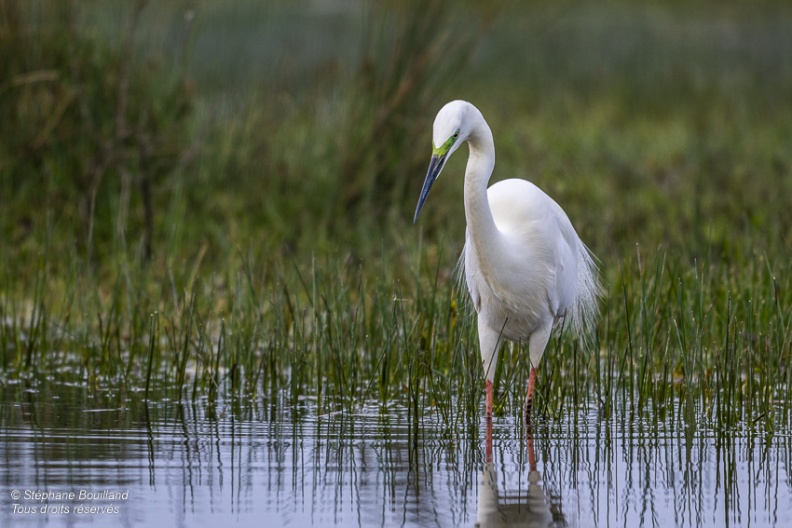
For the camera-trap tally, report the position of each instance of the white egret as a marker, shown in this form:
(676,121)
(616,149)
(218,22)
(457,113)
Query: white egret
(525,266)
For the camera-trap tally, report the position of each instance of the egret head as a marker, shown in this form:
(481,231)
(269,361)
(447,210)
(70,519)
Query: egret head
(451,129)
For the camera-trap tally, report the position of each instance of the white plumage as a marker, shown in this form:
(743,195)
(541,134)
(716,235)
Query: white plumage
(525,266)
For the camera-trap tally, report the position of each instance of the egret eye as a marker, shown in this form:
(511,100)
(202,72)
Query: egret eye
(456,134)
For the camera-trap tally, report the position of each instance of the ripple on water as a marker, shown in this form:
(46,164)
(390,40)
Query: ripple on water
(206,465)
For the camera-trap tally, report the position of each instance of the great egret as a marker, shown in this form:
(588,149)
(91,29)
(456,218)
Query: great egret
(525,266)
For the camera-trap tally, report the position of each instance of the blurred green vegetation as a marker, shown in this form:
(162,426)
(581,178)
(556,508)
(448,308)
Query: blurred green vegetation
(183,157)
(82,128)
(300,125)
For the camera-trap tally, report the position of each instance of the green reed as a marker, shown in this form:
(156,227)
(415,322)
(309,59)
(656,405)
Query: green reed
(711,337)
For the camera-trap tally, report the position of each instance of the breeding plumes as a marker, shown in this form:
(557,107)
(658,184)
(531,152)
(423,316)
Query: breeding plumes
(525,266)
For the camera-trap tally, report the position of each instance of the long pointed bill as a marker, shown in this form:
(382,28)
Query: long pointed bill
(435,166)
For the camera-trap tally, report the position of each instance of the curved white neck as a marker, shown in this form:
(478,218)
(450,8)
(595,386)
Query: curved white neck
(480,164)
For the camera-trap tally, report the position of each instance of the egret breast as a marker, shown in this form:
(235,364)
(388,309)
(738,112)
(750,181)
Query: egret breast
(533,279)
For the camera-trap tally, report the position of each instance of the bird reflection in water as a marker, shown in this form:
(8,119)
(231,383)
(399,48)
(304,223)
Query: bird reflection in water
(521,507)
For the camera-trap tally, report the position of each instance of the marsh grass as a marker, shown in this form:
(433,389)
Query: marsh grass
(689,342)
(285,271)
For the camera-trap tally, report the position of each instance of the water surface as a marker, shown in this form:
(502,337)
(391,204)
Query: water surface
(164,463)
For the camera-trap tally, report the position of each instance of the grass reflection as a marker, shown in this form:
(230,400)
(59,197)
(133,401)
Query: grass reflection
(285,465)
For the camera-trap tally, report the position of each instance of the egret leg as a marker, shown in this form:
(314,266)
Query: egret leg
(529,396)
(489,340)
(488,387)
(536,346)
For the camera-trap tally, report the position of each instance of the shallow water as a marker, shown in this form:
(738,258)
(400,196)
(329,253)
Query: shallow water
(169,464)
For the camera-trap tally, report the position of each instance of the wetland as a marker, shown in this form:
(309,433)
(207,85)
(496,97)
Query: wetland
(215,308)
